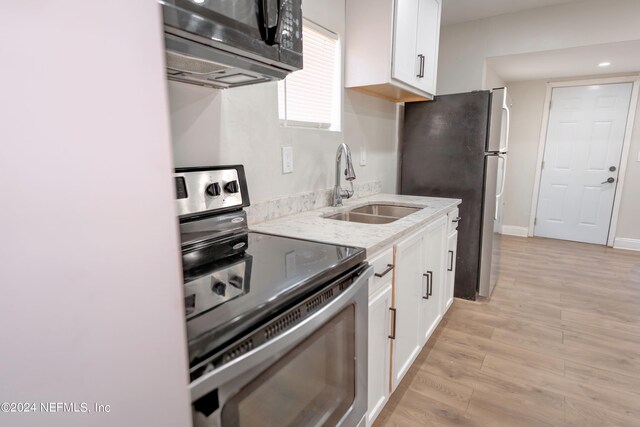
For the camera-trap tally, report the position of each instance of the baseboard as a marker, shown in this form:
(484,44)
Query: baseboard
(628,244)
(512,230)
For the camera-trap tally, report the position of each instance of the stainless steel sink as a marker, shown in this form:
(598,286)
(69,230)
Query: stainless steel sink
(374,214)
(362,218)
(386,210)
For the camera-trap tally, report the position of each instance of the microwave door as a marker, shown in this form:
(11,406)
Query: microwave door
(233,26)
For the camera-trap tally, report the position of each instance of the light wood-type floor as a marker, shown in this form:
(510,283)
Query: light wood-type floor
(558,344)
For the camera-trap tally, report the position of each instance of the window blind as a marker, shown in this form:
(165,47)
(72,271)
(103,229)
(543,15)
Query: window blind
(309,97)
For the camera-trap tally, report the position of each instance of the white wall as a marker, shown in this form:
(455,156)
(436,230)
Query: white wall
(526,121)
(465,46)
(524,137)
(491,79)
(628,224)
(91,307)
(241,125)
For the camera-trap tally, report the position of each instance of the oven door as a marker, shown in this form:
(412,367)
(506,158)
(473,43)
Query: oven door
(268,31)
(314,374)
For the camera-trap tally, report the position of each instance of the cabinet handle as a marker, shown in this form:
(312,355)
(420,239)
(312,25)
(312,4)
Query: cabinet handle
(384,273)
(429,276)
(457,219)
(393,310)
(421,66)
(450,268)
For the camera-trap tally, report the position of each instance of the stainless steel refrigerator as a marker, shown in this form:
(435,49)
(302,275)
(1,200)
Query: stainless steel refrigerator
(456,146)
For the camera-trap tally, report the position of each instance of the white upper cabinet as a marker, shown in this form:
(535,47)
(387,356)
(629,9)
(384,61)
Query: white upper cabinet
(392,48)
(427,43)
(405,43)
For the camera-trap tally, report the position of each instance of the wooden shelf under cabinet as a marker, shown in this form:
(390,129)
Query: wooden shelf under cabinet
(390,93)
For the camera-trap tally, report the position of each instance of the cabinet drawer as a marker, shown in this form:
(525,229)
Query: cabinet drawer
(454,218)
(382,270)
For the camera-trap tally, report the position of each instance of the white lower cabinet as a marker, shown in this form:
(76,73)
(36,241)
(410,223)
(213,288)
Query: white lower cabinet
(433,277)
(380,333)
(380,317)
(452,251)
(411,290)
(408,290)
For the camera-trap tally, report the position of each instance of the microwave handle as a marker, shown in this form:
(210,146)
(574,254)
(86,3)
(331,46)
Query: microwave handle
(271,19)
(254,358)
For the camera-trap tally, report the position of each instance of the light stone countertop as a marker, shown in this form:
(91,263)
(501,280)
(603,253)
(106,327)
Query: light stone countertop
(313,225)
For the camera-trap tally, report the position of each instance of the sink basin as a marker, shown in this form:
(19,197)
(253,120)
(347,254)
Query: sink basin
(385,210)
(374,214)
(362,218)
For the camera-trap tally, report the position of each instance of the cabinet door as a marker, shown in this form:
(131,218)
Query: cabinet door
(405,61)
(380,318)
(434,277)
(427,41)
(407,288)
(452,245)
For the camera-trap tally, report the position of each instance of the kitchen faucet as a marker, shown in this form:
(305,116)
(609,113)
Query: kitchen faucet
(350,175)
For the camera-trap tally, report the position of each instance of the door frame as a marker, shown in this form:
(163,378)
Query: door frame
(635,80)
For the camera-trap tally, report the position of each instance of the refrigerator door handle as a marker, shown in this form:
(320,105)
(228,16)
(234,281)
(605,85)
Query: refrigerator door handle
(506,136)
(504,176)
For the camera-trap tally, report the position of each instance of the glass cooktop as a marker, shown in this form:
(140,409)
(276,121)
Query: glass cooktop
(237,283)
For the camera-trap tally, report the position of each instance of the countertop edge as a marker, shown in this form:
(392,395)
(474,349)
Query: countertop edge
(291,226)
(376,249)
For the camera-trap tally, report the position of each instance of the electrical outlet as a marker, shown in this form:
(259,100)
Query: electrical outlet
(363,156)
(287,159)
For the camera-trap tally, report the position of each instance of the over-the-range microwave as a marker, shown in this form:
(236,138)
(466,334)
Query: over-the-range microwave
(227,43)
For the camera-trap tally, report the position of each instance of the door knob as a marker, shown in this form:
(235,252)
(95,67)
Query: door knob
(609,180)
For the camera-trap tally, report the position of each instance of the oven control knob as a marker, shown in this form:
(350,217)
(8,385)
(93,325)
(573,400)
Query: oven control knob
(219,288)
(231,187)
(214,189)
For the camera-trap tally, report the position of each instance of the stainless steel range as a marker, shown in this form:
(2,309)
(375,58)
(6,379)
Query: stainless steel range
(277,327)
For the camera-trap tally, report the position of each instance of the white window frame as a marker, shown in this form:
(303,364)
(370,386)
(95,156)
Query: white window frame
(336,116)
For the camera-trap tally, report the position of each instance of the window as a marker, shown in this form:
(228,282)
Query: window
(311,97)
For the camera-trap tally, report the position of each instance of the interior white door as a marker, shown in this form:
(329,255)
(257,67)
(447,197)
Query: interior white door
(581,161)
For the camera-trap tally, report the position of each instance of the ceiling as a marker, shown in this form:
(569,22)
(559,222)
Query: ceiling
(455,11)
(579,61)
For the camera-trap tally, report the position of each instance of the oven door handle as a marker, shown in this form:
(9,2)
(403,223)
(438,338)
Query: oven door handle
(357,292)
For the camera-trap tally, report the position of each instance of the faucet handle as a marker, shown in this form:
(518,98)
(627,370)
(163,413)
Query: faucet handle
(347,194)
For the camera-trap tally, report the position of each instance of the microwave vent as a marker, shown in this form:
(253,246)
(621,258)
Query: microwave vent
(186,64)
